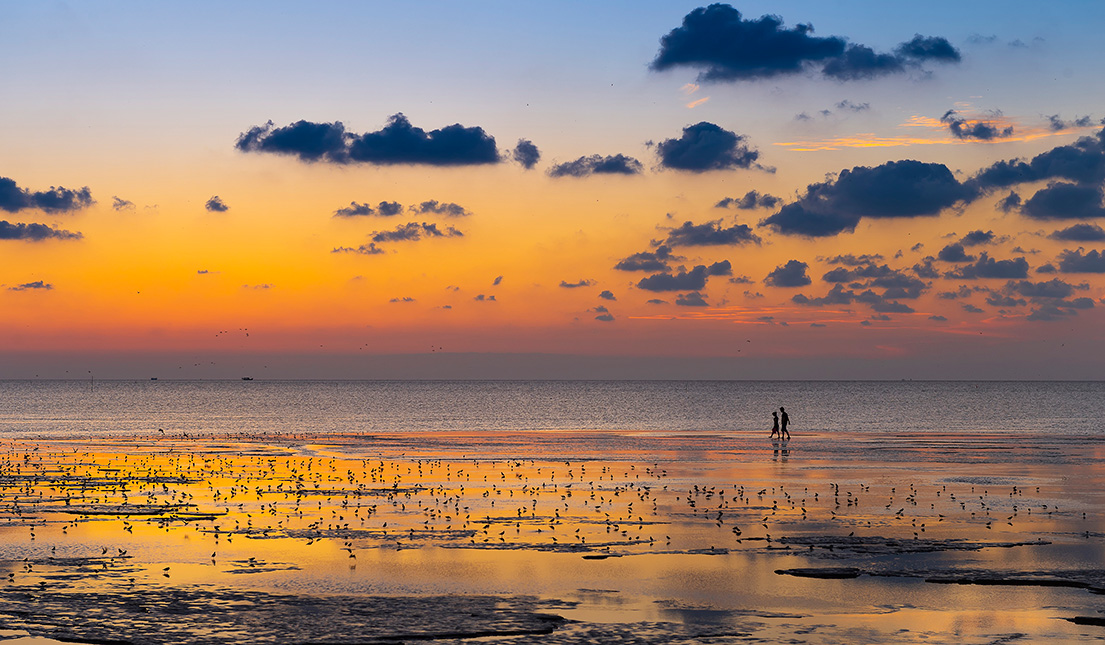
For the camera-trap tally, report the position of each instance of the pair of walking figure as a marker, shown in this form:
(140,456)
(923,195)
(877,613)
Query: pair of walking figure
(780,430)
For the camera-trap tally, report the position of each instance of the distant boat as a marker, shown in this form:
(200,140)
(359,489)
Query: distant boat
(247,378)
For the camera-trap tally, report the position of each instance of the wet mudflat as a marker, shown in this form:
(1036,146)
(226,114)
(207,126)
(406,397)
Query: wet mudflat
(552,537)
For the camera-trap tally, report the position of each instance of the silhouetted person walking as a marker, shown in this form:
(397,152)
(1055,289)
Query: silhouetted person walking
(774,426)
(783,433)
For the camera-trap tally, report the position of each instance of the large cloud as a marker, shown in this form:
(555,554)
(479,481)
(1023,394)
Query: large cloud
(1065,201)
(56,200)
(894,189)
(412,231)
(1080,233)
(34,232)
(711,234)
(1082,161)
(726,47)
(1079,262)
(705,146)
(618,164)
(398,142)
(693,280)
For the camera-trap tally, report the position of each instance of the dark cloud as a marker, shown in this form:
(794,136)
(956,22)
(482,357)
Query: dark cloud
(647,260)
(720,268)
(705,146)
(954,253)
(988,267)
(656,301)
(497,281)
(303,139)
(859,62)
(853,107)
(1080,233)
(895,189)
(55,200)
(837,295)
(1052,289)
(791,274)
(1082,162)
(973,129)
(1010,202)
(741,279)
(403,299)
(355,210)
(618,164)
(1058,125)
(1065,201)
(938,318)
(975,238)
(606,317)
(120,204)
(607,295)
(482,298)
(751,200)
(1079,262)
(364,249)
(718,40)
(526,154)
(971,309)
(389,209)
(37,285)
(926,269)
(216,205)
(710,234)
(414,231)
(398,142)
(440,208)
(692,299)
(694,280)
(726,47)
(34,232)
(575,285)
(855,260)
(1046,268)
(963,292)
(998,300)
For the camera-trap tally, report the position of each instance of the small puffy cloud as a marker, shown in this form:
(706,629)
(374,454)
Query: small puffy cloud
(853,260)
(894,189)
(975,238)
(938,318)
(1080,233)
(710,234)
(853,107)
(791,274)
(693,280)
(403,299)
(413,231)
(606,317)
(207,272)
(37,285)
(741,279)
(656,301)
(398,142)
(575,285)
(988,267)
(389,209)
(647,260)
(55,200)
(484,298)
(971,309)
(364,249)
(961,128)
(432,206)
(692,299)
(705,146)
(355,210)
(216,205)
(618,164)
(720,268)
(1078,262)
(1010,202)
(954,253)
(751,200)
(34,232)
(526,154)
(607,295)
(1057,124)
(1065,201)
(497,281)
(120,204)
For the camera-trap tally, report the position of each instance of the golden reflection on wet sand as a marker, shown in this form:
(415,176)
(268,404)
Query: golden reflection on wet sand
(656,539)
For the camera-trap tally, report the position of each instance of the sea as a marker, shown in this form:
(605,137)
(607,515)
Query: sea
(85,408)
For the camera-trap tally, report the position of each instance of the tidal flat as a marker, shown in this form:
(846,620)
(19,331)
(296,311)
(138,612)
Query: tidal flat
(552,537)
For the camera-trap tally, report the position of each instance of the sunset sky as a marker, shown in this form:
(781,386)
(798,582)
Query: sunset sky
(636,189)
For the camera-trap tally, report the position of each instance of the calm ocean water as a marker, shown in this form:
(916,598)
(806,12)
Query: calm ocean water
(77,408)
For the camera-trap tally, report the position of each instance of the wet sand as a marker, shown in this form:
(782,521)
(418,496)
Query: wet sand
(553,537)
